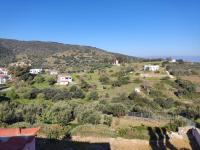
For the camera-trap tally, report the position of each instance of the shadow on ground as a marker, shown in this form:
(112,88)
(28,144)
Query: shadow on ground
(159,140)
(193,143)
(66,144)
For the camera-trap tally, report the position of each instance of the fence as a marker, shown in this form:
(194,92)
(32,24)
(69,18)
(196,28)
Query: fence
(161,116)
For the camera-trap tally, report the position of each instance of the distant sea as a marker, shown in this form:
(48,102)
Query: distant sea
(188,58)
(185,58)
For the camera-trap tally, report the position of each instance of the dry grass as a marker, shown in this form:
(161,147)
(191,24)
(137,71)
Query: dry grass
(133,144)
(192,78)
(136,121)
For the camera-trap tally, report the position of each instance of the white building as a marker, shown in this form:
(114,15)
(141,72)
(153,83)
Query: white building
(3,79)
(172,60)
(116,62)
(137,90)
(35,71)
(151,68)
(64,79)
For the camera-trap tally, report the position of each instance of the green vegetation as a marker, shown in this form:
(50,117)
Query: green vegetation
(52,54)
(100,98)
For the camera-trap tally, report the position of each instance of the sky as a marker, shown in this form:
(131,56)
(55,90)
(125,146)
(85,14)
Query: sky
(133,27)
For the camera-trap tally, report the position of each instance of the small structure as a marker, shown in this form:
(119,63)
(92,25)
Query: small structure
(64,79)
(137,89)
(35,71)
(172,61)
(18,138)
(151,68)
(3,71)
(3,79)
(53,72)
(116,62)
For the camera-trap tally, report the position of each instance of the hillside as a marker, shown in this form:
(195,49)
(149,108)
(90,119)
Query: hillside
(52,54)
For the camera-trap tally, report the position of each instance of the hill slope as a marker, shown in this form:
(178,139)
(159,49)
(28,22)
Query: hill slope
(52,54)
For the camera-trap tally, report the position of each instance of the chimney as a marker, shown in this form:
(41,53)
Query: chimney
(20,130)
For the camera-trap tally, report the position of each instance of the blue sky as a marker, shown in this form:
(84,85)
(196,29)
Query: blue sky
(134,27)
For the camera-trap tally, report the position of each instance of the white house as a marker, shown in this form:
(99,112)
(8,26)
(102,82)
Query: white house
(151,67)
(35,71)
(3,71)
(116,62)
(3,79)
(64,79)
(172,60)
(137,89)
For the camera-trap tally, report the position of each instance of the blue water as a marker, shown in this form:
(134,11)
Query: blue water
(185,58)
(188,58)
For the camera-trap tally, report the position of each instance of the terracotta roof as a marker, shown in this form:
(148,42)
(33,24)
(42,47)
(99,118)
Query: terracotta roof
(10,132)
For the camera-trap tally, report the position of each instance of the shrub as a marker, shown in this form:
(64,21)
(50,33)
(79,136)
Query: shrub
(32,94)
(8,113)
(136,132)
(39,79)
(173,126)
(51,81)
(31,112)
(156,93)
(76,92)
(61,95)
(107,120)
(56,94)
(124,79)
(164,103)
(19,72)
(197,121)
(41,96)
(60,112)
(186,85)
(116,109)
(116,83)
(133,96)
(93,96)
(12,94)
(49,93)
(104,79)
(89,116)
(84,85)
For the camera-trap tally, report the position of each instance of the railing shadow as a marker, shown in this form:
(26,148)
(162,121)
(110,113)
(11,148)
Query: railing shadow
(159,140)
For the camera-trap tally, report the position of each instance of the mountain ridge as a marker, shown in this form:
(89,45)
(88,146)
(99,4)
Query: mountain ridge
(49,53)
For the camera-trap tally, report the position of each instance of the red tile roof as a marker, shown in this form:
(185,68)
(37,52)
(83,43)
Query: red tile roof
(10,132)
